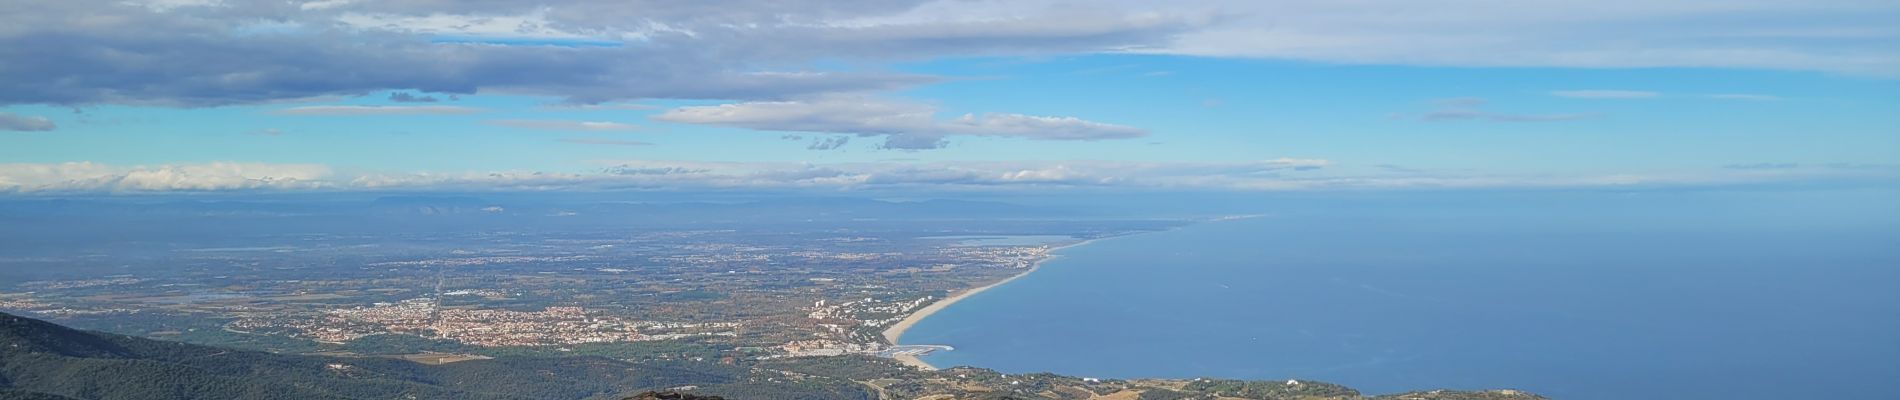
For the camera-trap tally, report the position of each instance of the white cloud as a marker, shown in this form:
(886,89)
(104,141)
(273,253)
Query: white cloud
(14,122)
(969,174)
(1272,174)
(604,106)
(560,125)
(1827,35)
(378,110)
(1640,94)
(904,125)
(1446,115)
(86,176)
(324,4)
(1265,175)
(93,177)
(1037,127)
(1472,108)
(605,141)
(834,115)
(1605,94)
(532,25)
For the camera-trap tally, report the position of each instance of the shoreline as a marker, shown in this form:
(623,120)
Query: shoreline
(896,331)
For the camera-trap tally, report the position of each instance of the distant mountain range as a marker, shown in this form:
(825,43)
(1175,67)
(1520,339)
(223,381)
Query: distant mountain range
(42,360)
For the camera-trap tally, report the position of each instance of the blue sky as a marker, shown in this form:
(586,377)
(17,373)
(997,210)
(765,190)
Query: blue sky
(1133,99)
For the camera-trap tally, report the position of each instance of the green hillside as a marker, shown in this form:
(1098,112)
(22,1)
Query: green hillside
(41,360)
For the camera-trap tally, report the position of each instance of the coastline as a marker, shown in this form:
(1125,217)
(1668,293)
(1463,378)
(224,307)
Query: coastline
(896,331)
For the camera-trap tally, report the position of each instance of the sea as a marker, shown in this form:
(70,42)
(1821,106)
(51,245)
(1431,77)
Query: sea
(1742,294)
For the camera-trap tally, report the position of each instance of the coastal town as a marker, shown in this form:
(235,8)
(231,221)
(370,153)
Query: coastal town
(694,293)
(485,328)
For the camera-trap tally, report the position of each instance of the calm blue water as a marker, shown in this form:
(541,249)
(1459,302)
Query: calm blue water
(1599,297)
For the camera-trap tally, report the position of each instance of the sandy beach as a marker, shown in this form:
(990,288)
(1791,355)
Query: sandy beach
(896,331)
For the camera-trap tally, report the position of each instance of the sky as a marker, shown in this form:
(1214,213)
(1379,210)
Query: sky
(128,97)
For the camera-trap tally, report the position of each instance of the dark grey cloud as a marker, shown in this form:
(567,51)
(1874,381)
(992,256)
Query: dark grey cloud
(209,53)
(828,143)
(77,68)
(406,97)
(238,52)
(913,141)
(585,15)
(14,122)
